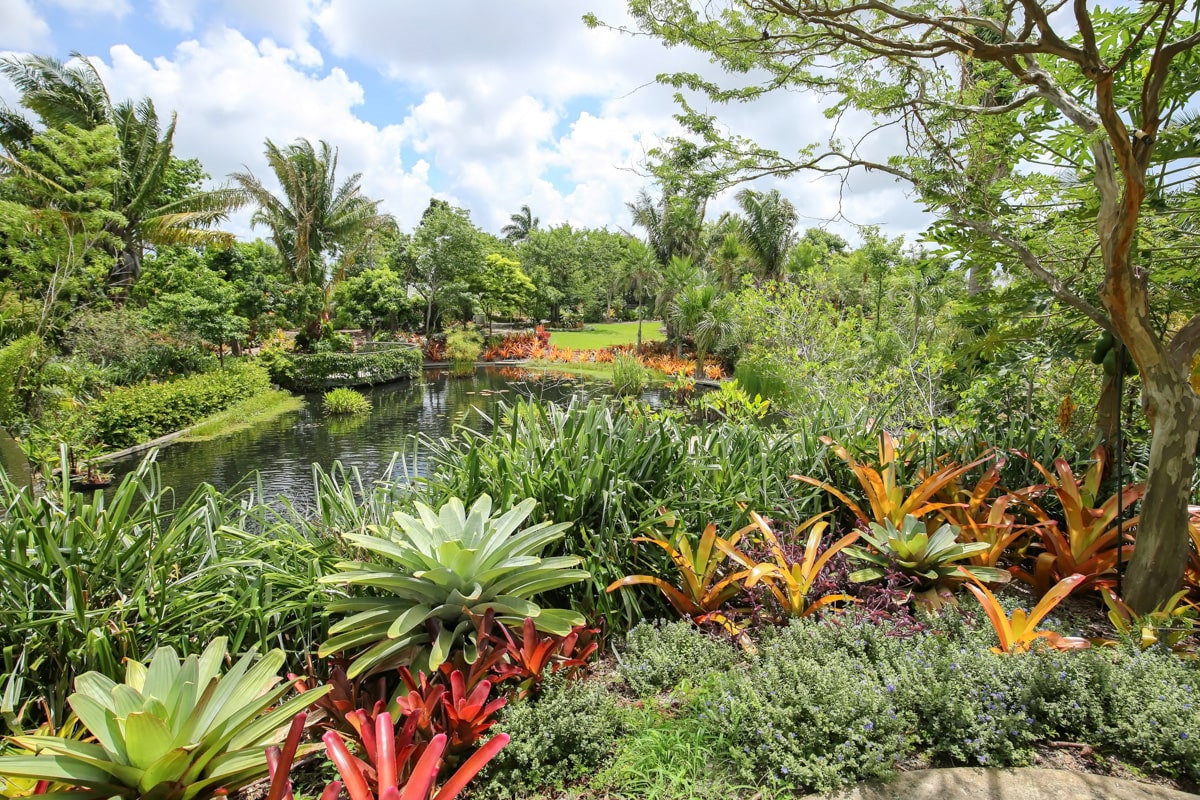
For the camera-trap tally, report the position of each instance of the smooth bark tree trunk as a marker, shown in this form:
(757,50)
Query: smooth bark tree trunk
(1156,569)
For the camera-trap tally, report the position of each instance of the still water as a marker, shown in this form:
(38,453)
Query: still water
(283,450)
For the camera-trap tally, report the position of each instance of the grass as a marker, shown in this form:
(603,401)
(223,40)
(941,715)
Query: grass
(250,412)
(602,372)
(607,335)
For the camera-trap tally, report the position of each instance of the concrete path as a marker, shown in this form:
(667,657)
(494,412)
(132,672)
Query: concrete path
(966,783)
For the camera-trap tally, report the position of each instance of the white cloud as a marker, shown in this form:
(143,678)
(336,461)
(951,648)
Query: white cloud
(502,103)
(116,8)
(231,94)
(21,28)
(179,15)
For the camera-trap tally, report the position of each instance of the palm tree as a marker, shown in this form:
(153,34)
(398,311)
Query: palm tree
(679,273)
(701,310)
(62,95)
(768,228)
(642,274)
(314,216)
(523,223)
(674,224)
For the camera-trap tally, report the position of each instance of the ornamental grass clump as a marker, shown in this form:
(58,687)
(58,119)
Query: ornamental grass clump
(343,400)
(433,574)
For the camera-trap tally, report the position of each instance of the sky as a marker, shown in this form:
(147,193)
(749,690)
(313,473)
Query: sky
(488,105)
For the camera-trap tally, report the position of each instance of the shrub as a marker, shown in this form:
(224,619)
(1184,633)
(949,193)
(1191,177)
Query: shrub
(131,415)
(463,347)
(570,729)
(804,715)
(629,376)
(308,372)
(658,657)
(129,349)
(343,400)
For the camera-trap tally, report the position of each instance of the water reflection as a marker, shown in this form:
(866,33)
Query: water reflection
(284,449)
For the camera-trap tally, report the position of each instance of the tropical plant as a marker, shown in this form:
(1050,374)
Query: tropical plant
(700,310)
(769,228)
(730,401)
(1018,632)
(704,589)
(521,225)
(527,657)
(13,786)
(628,375)
(344,400)
(155,195)
(642,273)
(434,572)
(791,582)
(928,558)
(981,519)
(890,501)
(176,730)
(314,216)
(399,767)
(1086,541)
(463,713)
(1171,624)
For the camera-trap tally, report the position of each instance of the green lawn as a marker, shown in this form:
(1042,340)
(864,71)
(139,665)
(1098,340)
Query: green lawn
(607,334)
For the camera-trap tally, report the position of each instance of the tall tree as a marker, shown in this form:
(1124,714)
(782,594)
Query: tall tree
(554,261)
(447,252)
(768,228)
(642,273)
(146,197)
(1098,89)
(523,223)
(319,226)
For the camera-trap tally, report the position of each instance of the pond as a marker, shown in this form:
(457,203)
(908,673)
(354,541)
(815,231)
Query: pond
(284,449)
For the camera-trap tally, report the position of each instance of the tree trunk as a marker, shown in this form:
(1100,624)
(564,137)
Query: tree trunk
(699,376)
(639,338)
(1156,569)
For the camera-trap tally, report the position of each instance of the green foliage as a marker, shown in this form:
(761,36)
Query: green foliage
(131,415)
(569,730)
(805,715)
(124,344)
(307,372)
(14,360)
(629,377)
(657,657)
(345,401)
(611,472)
(173,730)
(377,300)
(502,287)
(438,572)
(730,402)
(929,558)
(447,252)
(463,347)
(1152,711)
(88,580)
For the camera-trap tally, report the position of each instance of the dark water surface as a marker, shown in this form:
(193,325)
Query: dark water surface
(284,449)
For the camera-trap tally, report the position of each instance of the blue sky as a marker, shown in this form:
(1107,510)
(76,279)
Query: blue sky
(487,105)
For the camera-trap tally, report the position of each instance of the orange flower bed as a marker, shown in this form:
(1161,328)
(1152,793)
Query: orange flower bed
(663,362)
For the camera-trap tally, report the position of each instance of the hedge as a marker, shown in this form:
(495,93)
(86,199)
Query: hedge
(132,415)
(310,372)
